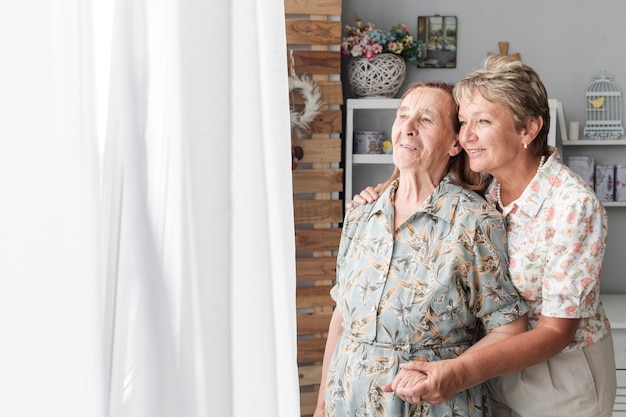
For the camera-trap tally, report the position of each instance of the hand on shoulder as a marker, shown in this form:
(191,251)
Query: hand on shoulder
(367,196)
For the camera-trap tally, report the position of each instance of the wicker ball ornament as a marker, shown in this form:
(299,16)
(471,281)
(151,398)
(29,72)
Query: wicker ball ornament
(380,76)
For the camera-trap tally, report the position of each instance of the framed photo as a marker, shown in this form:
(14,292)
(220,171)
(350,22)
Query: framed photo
(438,34)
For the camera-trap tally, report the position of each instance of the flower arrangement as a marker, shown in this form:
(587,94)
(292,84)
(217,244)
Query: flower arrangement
(365,40)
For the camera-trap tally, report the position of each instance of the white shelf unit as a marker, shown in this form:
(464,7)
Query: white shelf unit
(593,142)
(607,152)
(601,153)
(367,169)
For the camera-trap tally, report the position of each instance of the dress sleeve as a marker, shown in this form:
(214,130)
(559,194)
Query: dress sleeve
(348,232)
(571,279)
(496,301)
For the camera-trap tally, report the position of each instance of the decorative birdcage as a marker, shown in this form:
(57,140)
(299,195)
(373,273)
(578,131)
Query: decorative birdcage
(604,108)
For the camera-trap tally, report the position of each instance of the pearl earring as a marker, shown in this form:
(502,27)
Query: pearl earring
(525,146)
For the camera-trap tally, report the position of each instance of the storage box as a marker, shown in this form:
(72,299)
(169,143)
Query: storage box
(620,183)
(370,141)
(605,182)
(583,166)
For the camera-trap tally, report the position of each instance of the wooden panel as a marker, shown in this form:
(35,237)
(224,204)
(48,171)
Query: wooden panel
(308,401)
(316,269)
(314,296)
(313,32)
(314,62)
(331,93)
(317,240)
(318,211)
(311,350)
(319,150)
(329,121)
(309,42)
(308,374)
(323,7)
(317,180)
(309,323)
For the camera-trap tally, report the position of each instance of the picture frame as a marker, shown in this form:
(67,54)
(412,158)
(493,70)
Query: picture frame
(439,37)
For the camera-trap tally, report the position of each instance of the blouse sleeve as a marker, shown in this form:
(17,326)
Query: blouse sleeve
(571,279)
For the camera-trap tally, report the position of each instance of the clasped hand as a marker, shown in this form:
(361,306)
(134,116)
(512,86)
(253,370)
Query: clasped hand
(419,382)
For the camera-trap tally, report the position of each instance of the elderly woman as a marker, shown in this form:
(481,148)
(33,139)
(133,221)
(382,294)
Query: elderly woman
(421,274)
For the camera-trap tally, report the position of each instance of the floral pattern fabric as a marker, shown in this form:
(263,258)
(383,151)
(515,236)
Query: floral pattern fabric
(557,236)
(426,291)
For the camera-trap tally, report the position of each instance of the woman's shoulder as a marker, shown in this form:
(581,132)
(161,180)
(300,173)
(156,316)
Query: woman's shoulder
(569,186)
(470,204)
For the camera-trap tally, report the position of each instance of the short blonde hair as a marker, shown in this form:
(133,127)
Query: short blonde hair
(508,81)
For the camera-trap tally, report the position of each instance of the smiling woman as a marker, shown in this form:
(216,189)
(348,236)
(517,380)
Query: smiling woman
(412,283)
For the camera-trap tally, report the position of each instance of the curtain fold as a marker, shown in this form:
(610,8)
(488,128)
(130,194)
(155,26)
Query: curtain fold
(51,295)
(206,272)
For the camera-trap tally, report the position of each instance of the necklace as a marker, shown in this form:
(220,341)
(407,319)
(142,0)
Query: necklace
(499,188)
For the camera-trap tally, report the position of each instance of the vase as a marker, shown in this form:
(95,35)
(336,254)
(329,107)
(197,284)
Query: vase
(380,76)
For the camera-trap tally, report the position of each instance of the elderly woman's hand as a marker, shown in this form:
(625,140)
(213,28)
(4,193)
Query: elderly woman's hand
(429,382)
(408,385)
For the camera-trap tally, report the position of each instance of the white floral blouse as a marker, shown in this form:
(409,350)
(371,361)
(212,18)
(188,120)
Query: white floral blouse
(556,234)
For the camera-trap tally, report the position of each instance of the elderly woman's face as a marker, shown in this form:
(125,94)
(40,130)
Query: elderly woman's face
(423,135)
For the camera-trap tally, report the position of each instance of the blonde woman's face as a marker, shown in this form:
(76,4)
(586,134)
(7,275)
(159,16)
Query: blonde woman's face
(423,135)
(488,135)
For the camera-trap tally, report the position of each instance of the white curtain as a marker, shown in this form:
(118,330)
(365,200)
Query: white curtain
(163,283)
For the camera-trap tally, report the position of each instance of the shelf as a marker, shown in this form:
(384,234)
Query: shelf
(372,159)
(614,203)
(594,142)
(373,103)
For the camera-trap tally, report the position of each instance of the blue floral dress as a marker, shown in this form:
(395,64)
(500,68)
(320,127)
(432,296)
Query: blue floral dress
(426,291)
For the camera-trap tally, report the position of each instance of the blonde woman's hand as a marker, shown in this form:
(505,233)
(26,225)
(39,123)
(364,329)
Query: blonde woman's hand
(367,196)
(431,382)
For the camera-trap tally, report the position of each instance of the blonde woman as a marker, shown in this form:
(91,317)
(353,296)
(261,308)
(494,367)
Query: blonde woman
(556,230)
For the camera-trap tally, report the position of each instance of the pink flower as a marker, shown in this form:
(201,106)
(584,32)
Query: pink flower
(550,213)
(555,181)
(571,218)
(595,248)
(534,186)
(570,311)
(576,247)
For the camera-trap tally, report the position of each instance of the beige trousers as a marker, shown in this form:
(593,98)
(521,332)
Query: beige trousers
(581,383)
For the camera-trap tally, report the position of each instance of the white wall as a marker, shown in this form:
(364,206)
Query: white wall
(566,41)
